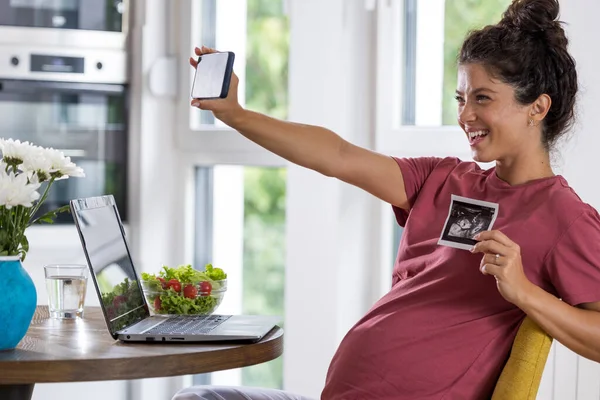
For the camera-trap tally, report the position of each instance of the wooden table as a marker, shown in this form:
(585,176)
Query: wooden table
(83,350)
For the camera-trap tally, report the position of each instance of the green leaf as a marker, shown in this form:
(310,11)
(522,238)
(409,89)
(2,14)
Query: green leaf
(63,209)
(147,277)
(174,303)
(215,274)
(50,216)
(3,237)
(24,244)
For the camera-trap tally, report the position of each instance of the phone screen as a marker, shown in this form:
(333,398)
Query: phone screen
(213,74)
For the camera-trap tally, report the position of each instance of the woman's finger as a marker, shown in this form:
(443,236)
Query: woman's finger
(203,50)
(490,246)
(200,51)
(495,235)
(491,269)
(203,104)
(496,259)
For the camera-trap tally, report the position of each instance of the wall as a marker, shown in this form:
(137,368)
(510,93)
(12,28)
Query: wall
(568,376)
(330,225)
(154,234)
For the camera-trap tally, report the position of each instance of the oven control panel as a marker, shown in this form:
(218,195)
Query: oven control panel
(61,64)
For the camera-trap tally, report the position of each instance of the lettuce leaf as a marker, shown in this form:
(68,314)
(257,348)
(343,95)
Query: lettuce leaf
(216,274)
(172,303)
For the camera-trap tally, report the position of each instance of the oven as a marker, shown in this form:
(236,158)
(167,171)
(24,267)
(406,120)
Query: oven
(95,15)
(75,101)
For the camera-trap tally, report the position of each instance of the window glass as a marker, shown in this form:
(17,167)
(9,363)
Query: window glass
(240,210)
(258,32)
(240,227)
(433,32)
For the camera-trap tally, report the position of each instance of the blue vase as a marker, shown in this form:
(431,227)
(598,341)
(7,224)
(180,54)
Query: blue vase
(18,300)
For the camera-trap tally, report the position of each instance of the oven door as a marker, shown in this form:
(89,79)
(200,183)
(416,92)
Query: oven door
(86,121)
(97,15)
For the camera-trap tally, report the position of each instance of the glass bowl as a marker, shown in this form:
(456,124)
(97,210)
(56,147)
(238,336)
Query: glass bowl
(173,299)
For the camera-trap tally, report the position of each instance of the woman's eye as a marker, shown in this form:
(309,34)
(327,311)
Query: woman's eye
(482,98)
(459,99)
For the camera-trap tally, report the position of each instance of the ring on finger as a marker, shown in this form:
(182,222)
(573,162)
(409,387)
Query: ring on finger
(496,258)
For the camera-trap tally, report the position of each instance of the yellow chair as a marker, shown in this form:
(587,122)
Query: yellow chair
(521,376)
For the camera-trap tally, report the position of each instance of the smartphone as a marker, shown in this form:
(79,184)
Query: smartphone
(213,74)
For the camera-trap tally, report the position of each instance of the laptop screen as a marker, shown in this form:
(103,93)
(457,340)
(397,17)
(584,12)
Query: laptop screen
(107,253)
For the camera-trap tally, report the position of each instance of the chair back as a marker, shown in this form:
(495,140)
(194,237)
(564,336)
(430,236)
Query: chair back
(521,376)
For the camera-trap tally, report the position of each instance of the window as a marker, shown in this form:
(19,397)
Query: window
(433,33)
(418,43)
(239,187)
(460,17)
(240,226)
(220,26)
(257,31)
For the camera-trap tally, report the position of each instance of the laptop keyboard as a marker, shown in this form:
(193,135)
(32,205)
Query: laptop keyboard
(188,325)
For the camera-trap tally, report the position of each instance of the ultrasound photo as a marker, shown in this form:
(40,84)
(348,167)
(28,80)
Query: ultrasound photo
(466,218)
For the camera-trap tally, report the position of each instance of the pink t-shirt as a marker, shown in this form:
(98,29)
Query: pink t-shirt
(443,331)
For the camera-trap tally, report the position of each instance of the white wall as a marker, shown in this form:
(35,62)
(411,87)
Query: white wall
(568,376)
(583,31)
(156,226)
(330,225)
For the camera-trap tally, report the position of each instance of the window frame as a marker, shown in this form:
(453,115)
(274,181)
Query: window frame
(209,144)
(391,136)
(205,146)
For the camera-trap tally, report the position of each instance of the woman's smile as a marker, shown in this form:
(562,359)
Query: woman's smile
(477,136)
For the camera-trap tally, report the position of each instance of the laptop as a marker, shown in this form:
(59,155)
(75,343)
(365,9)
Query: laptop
(120,292)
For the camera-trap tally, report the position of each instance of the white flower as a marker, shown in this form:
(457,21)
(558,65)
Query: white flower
(15,191)
(14,152)
(61,167)
(37,164)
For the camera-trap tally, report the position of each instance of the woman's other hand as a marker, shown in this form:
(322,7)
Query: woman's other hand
(502,259)
(223,109)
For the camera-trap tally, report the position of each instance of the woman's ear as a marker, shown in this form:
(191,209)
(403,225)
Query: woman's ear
(540,108)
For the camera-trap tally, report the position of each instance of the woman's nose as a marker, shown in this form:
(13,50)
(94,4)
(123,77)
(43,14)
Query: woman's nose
(466,114)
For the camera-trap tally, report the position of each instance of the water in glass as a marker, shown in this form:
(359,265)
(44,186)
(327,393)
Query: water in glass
(66,295)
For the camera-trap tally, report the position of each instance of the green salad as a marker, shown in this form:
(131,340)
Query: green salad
(185,290)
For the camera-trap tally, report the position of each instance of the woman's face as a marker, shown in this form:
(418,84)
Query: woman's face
(495,124)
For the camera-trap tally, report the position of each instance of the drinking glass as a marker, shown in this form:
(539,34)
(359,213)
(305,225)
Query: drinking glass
(66,286)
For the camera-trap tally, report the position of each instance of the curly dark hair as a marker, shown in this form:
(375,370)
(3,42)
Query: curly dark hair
(527,49)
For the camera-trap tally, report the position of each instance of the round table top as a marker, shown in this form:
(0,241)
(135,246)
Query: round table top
(83,350)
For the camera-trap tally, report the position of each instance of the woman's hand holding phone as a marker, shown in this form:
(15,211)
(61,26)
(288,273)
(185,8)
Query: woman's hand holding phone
(224,109)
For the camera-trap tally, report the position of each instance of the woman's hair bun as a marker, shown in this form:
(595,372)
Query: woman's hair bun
(532,15)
